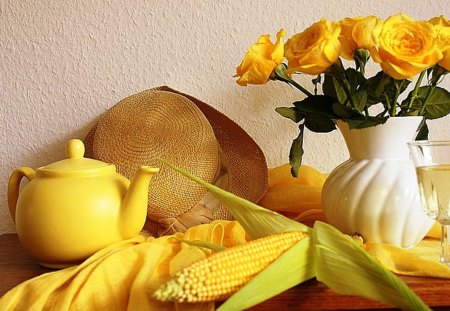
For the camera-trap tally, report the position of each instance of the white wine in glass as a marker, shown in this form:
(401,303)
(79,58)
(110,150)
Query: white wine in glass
(432,161)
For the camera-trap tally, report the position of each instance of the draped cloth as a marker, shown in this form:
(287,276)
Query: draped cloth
(124,275)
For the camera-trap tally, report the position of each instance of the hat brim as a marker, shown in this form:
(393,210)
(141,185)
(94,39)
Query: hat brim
(245,161)
(247,166)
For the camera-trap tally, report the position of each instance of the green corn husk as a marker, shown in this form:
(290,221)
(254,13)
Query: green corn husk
(346,268)
(293,267)
(257,221)
(336,260)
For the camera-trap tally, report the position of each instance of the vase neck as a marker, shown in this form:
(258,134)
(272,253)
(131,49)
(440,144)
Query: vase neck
(384,141)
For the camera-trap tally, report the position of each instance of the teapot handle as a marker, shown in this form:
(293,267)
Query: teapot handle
(14,186)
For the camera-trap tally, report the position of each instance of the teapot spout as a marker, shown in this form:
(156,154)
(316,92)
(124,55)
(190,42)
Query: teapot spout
(134,205)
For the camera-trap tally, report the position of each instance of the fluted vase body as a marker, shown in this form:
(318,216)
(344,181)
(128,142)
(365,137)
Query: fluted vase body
(375,193)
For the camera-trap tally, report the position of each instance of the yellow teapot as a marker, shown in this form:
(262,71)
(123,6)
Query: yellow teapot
(73,208)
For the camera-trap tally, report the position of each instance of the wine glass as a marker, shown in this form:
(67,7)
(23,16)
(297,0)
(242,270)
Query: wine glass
(432,161)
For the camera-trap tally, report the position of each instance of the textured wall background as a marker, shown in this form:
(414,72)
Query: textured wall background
(64,62)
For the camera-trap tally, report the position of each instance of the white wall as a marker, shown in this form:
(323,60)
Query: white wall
(65,62)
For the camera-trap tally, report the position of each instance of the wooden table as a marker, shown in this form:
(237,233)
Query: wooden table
(16,266)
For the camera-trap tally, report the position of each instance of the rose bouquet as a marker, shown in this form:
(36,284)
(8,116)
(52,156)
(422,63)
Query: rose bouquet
(407,50)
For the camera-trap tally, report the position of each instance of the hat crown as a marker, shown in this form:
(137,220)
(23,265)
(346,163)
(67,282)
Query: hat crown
(163,123)
(153,125)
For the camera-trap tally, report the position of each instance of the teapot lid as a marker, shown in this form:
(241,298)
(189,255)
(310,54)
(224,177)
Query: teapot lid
(77,162)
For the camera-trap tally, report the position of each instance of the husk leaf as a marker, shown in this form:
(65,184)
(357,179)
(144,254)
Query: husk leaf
(347,269)
(293,267)
(335,259)
(257,221)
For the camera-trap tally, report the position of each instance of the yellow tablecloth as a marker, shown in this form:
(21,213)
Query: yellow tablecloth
(124,275)
(421,260)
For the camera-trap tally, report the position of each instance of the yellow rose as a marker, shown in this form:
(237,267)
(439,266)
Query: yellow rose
(442,26)
(346,37)
(315,49)
(260,60)
(356,33)
(362,32)
(439,21)
(405,47)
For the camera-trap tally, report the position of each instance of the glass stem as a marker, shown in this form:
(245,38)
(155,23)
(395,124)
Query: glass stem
(445,246)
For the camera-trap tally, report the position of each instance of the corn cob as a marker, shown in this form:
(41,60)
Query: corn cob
(217,277)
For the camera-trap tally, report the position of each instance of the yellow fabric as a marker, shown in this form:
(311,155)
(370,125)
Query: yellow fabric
(421,260)
(124,275)
(295,197)
(435,231)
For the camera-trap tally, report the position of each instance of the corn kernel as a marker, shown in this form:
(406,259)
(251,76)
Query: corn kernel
(220,275)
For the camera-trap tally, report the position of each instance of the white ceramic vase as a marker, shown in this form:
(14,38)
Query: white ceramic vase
(375,193)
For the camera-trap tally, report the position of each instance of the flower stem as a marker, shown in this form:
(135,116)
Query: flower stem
(279,73)
(394,102)
(346,86)
(388,103)
(301,88)
(425,101)
(438,72)
(416,89)
(338,73)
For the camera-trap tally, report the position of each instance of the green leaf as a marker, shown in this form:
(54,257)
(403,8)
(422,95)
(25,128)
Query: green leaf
(257,221)
(320,105)
(336,70)
(437,74)
(354,78)
(296,152)
(332,88)
(382,86)
(328,86)
(335,259)
(363,122)
(293,267)
(413,109)
(347,269)
(423,132)
(319,124)
(438,103)
(342,111)
(360,100)
(290,113)
(375,87)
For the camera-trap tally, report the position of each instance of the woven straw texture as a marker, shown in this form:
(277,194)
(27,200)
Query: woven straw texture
(164,124)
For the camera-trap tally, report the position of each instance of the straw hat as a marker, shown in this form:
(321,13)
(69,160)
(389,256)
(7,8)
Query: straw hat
(162,123)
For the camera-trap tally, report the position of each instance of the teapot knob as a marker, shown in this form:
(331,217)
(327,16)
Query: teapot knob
(75,149)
